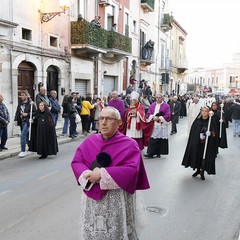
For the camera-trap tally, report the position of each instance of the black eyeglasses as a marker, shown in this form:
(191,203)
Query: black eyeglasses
(107,119)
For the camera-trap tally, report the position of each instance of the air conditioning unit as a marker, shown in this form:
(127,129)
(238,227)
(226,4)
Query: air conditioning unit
(105,2)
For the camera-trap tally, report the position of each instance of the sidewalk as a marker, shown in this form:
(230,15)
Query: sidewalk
(13,143)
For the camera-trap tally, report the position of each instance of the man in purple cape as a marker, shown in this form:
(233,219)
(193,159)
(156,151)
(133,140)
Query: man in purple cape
(108,205)
(160,113)
(118,103)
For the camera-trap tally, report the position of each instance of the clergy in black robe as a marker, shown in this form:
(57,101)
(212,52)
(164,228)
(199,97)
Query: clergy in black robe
(222,140)
(193,156)
(43,139)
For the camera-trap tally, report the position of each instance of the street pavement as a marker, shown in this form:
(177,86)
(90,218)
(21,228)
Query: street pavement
(13,143)
(40,198)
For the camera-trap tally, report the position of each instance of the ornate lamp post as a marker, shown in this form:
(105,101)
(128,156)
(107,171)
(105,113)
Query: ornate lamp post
(46,17)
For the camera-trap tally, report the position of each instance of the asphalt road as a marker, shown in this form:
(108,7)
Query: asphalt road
(39,198)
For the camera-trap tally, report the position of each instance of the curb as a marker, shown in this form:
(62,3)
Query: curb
(15,151)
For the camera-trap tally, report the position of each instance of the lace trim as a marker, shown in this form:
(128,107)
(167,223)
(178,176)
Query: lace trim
(82,179)
(106,182)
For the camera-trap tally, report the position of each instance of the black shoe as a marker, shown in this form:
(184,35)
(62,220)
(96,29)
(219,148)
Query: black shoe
(158,155)
(148,156)
(196,173)
(4,148)
(0,150)
(43,157)
(202,176)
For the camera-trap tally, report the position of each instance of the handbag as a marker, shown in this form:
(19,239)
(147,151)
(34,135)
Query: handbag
(77,118)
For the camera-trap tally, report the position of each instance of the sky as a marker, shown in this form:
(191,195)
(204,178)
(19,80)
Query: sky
(213,28)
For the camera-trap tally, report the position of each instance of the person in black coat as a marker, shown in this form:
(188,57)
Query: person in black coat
(222,140)
(43,134)
(175,106)
(72,112)
(194,153)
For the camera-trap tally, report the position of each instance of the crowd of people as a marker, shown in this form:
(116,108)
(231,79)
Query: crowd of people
(108,164)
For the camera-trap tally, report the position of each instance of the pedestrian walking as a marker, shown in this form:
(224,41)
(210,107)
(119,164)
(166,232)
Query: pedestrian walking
(65,115)
(235,115)
(134,115)
(85,115)
(56,108)
(175,107)
(21,119)
(193,111)
(219,118)
(160,113)
(42,97)
(72,112)
(98,105)
(4,121)
(44,139)
(202,145)
(108,202)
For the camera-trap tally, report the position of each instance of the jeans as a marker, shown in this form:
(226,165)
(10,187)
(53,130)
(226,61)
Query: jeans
(3,136)
(65,125)
(73,126)
(24,136)
(236,126)
(55,118)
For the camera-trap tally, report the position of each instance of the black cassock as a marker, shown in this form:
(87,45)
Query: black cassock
(43,135)
(193,156)
(222,142)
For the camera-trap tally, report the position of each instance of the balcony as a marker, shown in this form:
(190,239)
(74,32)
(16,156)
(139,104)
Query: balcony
(87,38)
(147,5)
(147,57)
(182,66)
(166,24)
(118,43)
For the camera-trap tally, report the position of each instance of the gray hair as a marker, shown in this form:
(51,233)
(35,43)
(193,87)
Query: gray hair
(116,112)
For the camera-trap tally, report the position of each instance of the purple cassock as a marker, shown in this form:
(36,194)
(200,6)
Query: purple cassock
(126,169)
(164,108)
(119,105)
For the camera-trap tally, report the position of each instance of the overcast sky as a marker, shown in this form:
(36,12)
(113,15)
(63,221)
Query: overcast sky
(213,28)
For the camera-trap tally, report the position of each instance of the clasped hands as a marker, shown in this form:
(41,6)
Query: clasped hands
(94,176)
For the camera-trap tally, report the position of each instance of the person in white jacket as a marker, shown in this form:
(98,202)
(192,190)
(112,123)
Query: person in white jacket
(193,111)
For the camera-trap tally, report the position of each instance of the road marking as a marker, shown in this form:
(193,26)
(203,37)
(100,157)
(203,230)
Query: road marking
(47,175)
(239,236)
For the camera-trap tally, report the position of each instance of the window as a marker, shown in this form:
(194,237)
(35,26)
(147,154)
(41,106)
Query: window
(134,26)
(162,56)
(26,34)
(142,41)
(53,41)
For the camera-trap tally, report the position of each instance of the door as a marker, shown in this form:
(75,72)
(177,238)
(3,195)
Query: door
(26,78)
(52,80)
(108,85)
(81,87)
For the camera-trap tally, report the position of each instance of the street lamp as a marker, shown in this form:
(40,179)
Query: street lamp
(46,17)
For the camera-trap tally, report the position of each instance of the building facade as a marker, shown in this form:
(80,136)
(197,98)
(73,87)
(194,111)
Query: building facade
(47,44)
(34,53)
